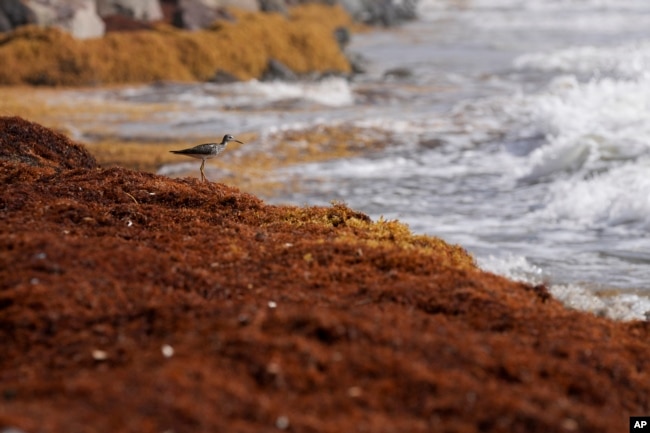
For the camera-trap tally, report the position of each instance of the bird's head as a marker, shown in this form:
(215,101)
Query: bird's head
(227,138)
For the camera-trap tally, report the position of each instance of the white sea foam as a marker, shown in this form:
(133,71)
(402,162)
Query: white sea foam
(358,168)
(331,92)
(618,196)
(593,143)
(584,125)
(586,16)
(427,5)
(607,16)
(629,61)
(624,306)
(328,92)
(515,267)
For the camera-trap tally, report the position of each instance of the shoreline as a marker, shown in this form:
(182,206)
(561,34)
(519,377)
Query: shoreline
(97,121)
(254,167)
(303,42)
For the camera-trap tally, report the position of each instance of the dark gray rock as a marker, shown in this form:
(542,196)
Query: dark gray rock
(381,12)
(374,12)
(223,77)
(200,14)
(193,15)
(273,6)
(398,74)
(432,143)
(13,13)
(144,10)
(5,24)
(358,62)
(278,71)
(248,5)
(342,36)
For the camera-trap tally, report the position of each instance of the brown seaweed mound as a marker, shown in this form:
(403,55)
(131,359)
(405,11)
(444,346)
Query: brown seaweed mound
(131,302)
(36,145)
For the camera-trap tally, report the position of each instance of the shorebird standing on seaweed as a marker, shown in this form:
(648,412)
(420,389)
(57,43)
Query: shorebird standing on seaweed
(206,151)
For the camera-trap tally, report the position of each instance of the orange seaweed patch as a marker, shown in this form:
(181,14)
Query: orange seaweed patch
(40,56)
(47,56)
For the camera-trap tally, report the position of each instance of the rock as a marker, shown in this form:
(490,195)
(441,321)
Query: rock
(273,6)
(358,62)
(278,71)
(144,10)
(200,14)
(373,12)
(381,12)
(44,15)
(78,17)
(5,24)
(399,73)
(432,143)
(193,15)
(223,77)
(248,5)
(342,36)
(14,13)
(85,23)
(196,14)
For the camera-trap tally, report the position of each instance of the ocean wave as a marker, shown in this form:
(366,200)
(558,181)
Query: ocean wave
(619,196)
(619,305)
(330,92)
(628,61)
(585,126)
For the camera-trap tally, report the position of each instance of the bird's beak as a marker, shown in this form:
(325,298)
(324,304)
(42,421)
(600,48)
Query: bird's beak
(240,142)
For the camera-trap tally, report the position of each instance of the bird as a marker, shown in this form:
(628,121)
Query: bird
(206,151)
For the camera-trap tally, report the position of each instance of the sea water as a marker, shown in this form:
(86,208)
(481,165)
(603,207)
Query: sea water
(542,125)
(519,129)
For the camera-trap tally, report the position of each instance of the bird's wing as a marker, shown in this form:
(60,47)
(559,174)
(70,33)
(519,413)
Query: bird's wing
(201,149)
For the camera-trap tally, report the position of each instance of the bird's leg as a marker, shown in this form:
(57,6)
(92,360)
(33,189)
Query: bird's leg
(203,178)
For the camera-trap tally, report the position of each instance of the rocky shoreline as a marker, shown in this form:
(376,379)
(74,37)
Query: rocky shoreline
(134,302)
(93,18)
(246,47)
(102,42)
